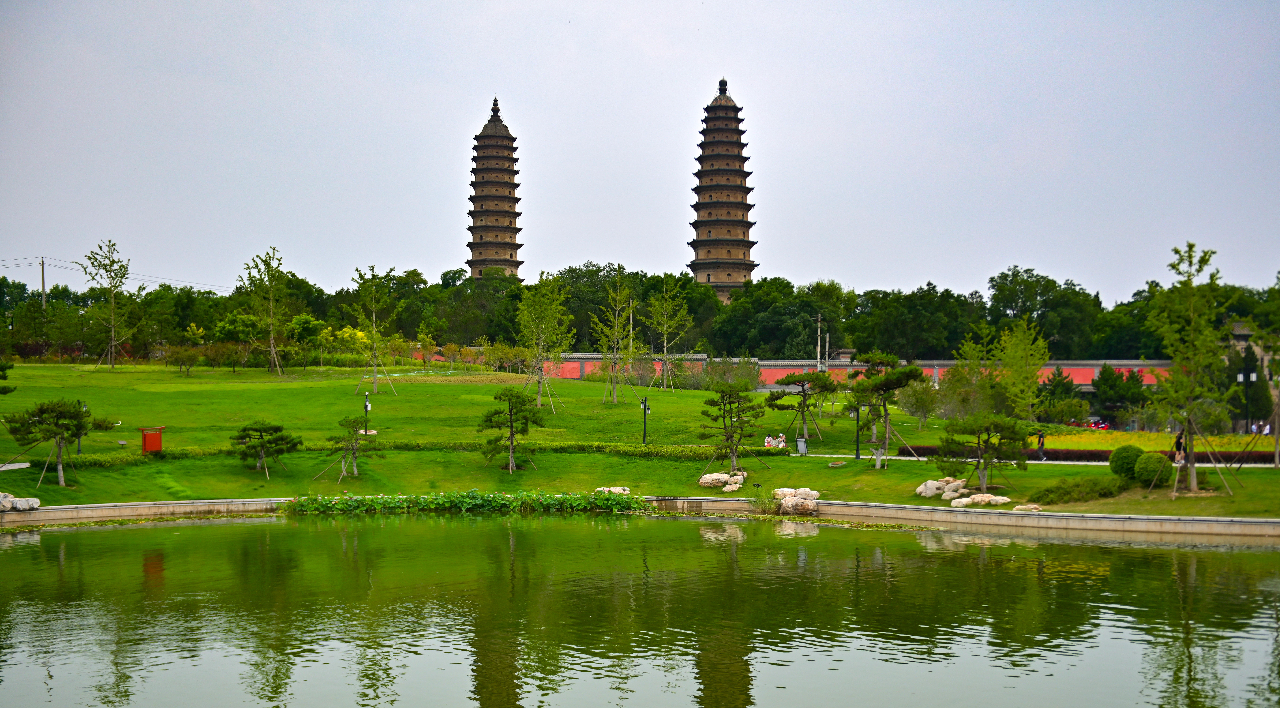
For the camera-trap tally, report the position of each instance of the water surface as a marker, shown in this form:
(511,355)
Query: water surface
(457,610)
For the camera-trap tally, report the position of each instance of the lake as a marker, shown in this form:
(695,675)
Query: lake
(595,610)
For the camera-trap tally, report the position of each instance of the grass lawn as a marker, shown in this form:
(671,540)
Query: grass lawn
(205,409)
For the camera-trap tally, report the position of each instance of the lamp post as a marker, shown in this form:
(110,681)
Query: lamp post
(644,414)
(1246,378)
(367,407)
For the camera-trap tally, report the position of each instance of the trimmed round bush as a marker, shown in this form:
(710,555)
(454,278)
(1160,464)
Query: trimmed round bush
(1123,459)
(1153,466)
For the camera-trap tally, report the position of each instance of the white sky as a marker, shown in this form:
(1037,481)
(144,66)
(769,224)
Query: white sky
(892,143)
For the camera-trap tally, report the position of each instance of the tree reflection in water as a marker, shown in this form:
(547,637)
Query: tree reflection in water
(375,611)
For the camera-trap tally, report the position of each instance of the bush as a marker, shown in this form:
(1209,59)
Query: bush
(1123,459)
(1081,490)
(1065,411)
(473,501)
(102,423)
(1153,466)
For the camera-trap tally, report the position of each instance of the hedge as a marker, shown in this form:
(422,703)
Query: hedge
(1233,457)
(517,502)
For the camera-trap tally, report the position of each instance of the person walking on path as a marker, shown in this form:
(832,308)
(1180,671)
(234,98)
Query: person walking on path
(1040,445)
(1179,453)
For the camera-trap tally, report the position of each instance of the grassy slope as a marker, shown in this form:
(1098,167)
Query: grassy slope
(205,409)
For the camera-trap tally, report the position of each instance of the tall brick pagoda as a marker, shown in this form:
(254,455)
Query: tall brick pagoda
(722,234)
(493,205)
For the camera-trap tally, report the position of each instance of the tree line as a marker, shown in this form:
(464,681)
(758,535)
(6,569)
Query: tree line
(771,318)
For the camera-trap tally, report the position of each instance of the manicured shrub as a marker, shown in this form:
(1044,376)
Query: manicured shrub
(472,501)
(1153,466)
(1123,459)
(1081,490)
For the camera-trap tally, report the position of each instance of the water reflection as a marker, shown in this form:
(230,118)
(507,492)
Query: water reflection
(591,610)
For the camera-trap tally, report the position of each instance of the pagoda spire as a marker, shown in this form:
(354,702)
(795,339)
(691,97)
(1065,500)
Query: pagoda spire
(722,233)
(493,201)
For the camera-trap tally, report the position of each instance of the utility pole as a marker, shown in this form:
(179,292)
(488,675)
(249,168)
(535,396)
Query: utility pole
(644,413)
(44,299)
(818,354)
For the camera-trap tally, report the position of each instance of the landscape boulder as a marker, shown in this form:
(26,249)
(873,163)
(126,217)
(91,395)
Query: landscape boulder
(736,479)
(806,493)
(1027,507)
(783,493)
(732,487)
(955,486)
(24,504)
(798,505)
(614,490)
(715,479)
(948,496)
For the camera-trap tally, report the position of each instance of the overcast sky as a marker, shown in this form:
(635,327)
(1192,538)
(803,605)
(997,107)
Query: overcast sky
(892,143)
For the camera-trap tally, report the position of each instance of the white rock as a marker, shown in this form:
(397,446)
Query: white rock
(21,504)
(961,503)
(783,493)
(806,493)
(953,487)
(715,479)
(1027,507)
(6,504)
(798,505)
(981,498)
(614,490)
(736,479)
(997,501)
(948,496)
(732,487)
(930,488)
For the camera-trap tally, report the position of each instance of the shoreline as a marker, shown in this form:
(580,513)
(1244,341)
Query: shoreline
(1048,523)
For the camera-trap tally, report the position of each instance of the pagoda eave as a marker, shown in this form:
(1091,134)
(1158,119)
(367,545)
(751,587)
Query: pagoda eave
(493,212)
(699,189)
(493,227)
(492,183)
(722,222)
(714,171)
(721,241)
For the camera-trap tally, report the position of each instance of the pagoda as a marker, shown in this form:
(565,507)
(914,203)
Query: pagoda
(493,203)
(722,234)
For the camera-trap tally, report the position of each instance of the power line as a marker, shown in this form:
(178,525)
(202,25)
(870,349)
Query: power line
(60,264)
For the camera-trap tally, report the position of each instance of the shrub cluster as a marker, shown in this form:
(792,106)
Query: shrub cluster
(1081,490)
(1123,459)
(674,452)
(1153,467)
(1052,455)
(473,501)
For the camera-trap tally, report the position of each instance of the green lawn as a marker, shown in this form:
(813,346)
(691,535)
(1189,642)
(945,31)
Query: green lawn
(205,409)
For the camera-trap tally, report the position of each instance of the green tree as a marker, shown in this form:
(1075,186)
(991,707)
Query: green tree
(1189,318)
(982,442)
(614,335)
(259,440)
(1115,392)
(514,419)
(305,331)
(1058,387)
(241,331)
(375,309)
(183,357)
(920,399)
(106,270)
(264,280)
(544,327)
(59,421)
(5,366)
(732,415)
(878,385)
(669,318)
(806,393)
(351,443)
(1064,313)
(1022,354)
